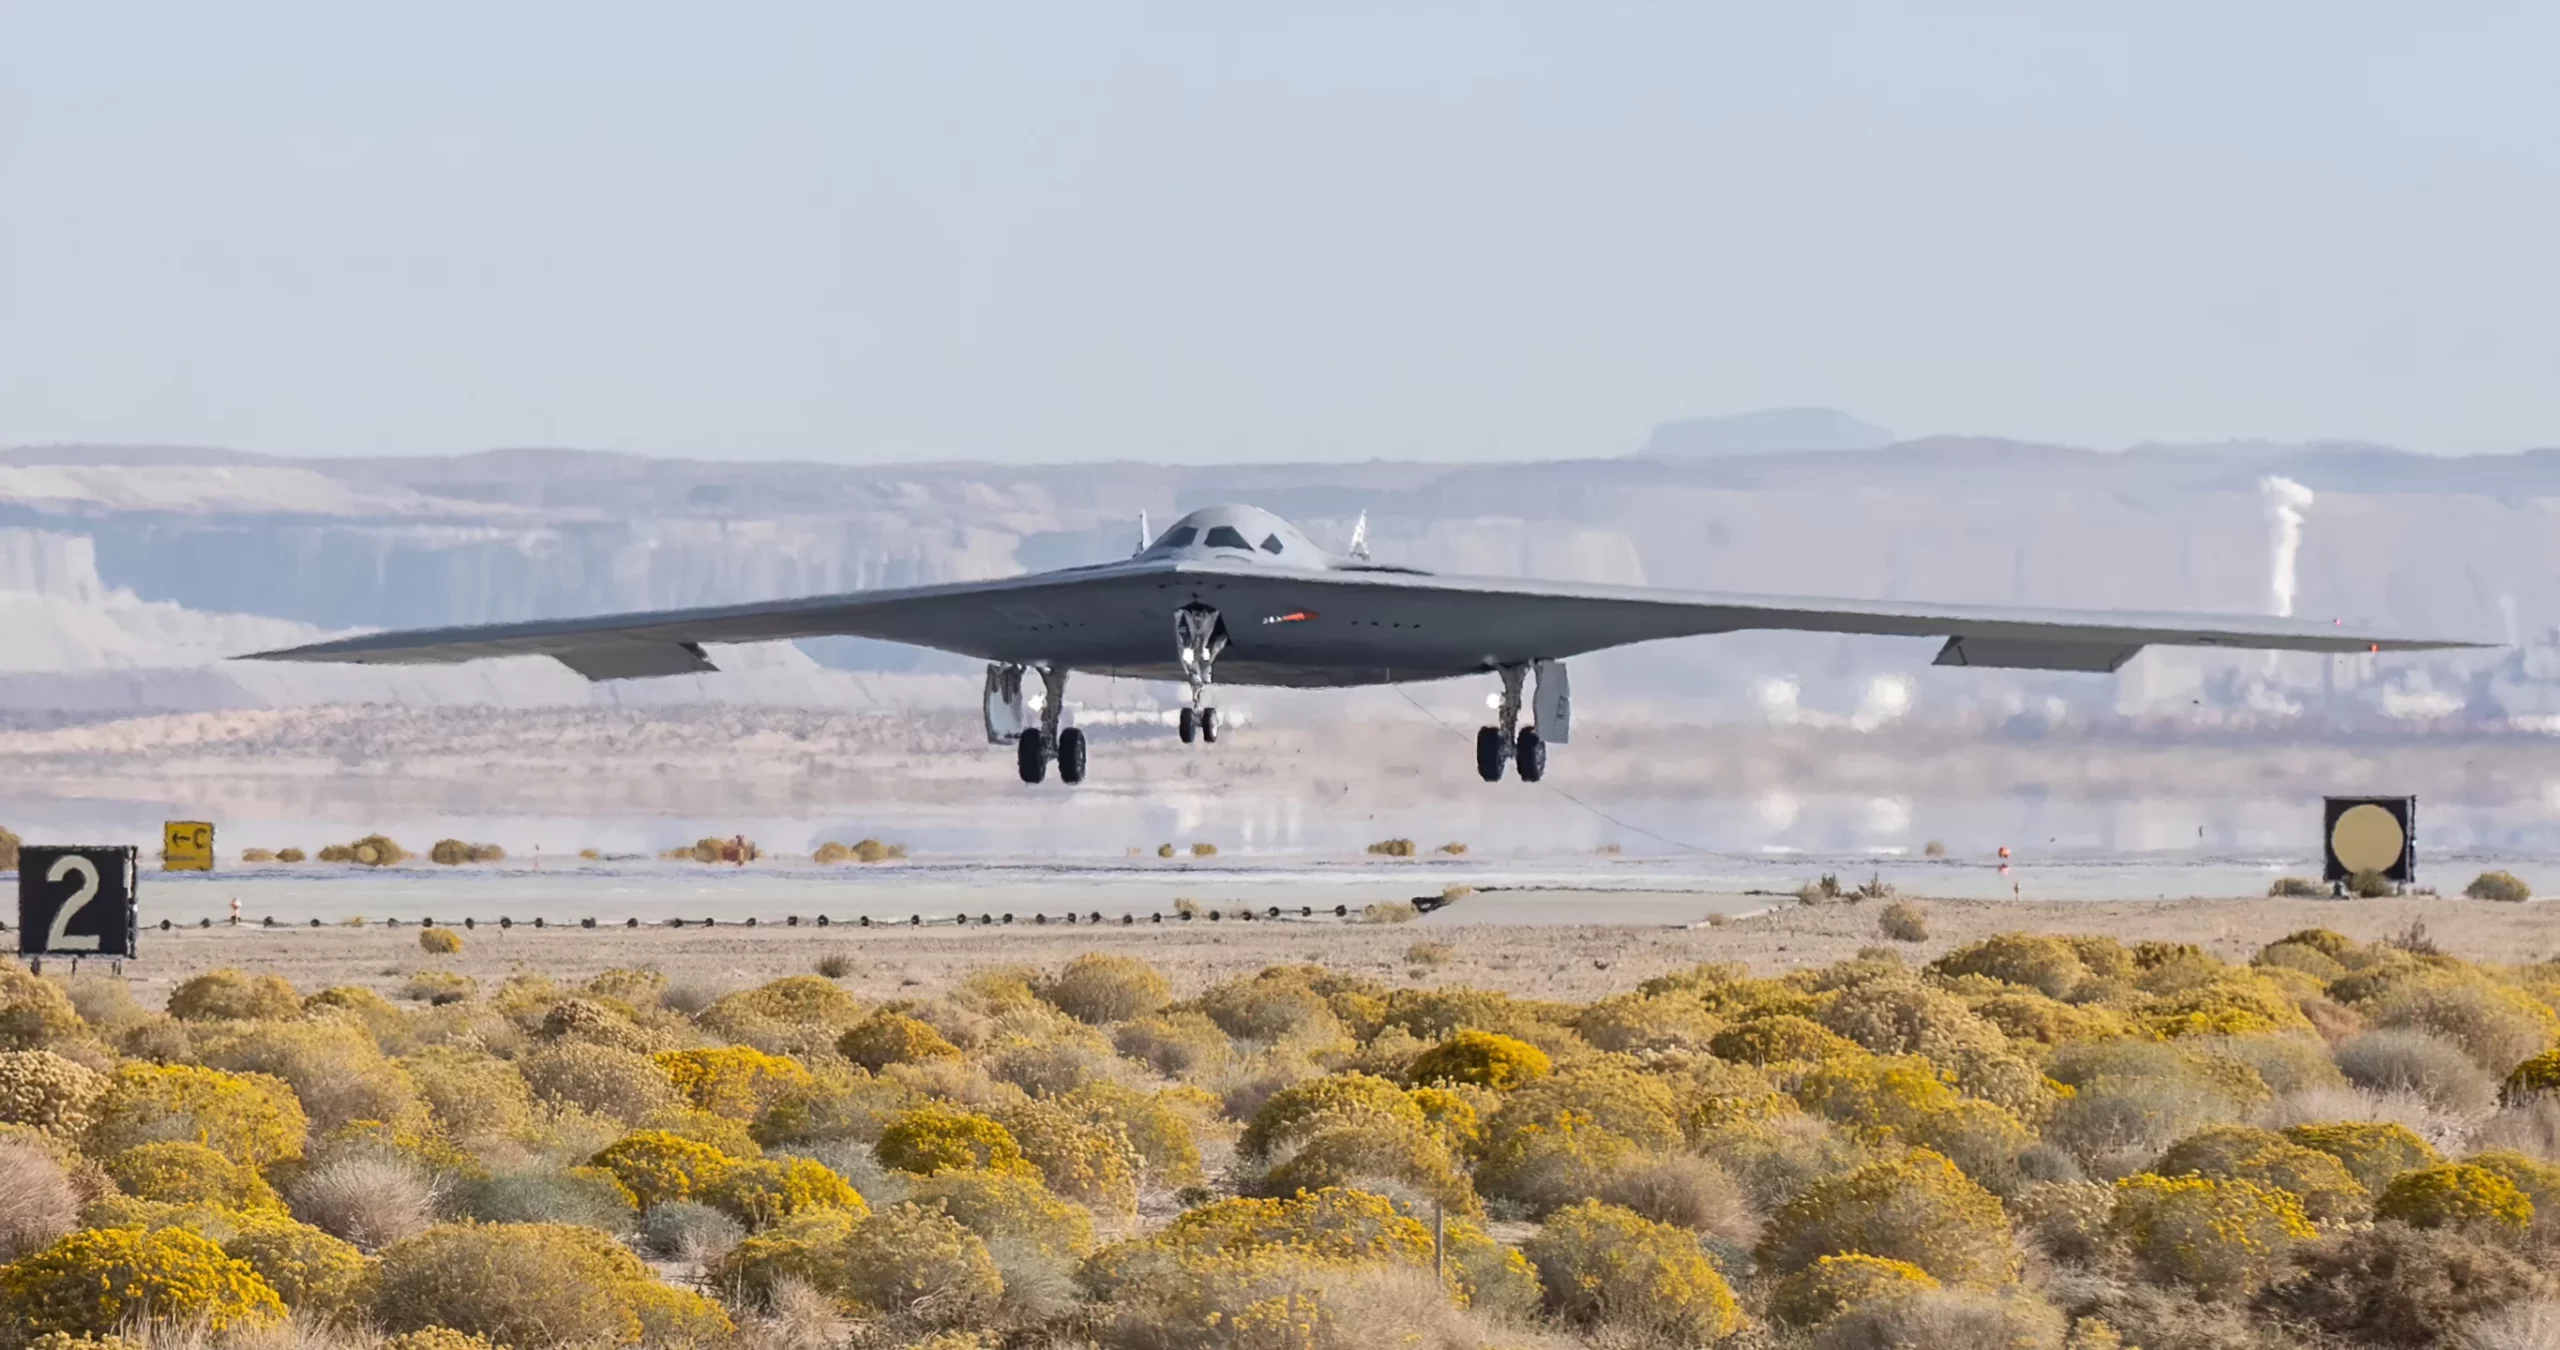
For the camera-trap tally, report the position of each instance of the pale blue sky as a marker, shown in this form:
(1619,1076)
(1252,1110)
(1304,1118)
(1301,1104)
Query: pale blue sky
(1057,232)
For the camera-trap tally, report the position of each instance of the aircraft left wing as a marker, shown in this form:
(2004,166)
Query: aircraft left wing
(1016,619)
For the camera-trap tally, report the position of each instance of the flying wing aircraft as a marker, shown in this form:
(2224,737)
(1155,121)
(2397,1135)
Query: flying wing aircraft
(1236,595)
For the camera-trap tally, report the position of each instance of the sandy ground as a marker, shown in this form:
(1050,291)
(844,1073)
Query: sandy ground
(1565,962)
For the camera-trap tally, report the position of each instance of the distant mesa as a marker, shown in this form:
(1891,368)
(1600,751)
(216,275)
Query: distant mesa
(1769,431)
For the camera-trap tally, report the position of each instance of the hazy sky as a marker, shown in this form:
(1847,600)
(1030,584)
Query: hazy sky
(1259,232)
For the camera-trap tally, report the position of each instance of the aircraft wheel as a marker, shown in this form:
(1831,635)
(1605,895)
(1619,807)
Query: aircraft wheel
(1209,725)
(1031,757)
(1532,754)
(1071,755)
(1189,725)
(1489,754)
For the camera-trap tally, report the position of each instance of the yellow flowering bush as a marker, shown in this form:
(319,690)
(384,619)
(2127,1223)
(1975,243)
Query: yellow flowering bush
(887,1038)
(762,1193)
(1635,1023)
(936,1138)
(908,1259)
(1836,1284)
(798,1249)
(1482,1059)
(658,1166)
(2532,1078)
(2454,1195)
(2539,1180)
(310,1270)
(1917,1208)
(1607,1268)
(730,1080)
(1167,1150)
(1103,989)
(2221,1238)
(2373,1151)
(44,1091)
(2328,1192)
(1304,1110)
(1008,1205)
(179,1173)
(231,995)
(803,1000)
(2231,1004)
(1084,1161)
(33,1010)
(1781,1038)
(1557,1140)
(609,1080)
(94,1281)
(251,1119)
(2047,965)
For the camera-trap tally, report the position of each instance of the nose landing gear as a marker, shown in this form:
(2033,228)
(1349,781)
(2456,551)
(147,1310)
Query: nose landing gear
(1199,635)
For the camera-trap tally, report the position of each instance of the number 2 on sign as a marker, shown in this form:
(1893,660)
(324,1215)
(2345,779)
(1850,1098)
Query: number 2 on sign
(61,939)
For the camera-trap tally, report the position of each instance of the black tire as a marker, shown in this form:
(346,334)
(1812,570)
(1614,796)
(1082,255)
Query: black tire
(1209,725)
(1489,754)
(1071,755)
(1531,752)
(1190,725)
(1031,757)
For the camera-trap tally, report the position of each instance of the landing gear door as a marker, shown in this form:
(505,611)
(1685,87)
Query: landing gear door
(1008,709)
(1551,708)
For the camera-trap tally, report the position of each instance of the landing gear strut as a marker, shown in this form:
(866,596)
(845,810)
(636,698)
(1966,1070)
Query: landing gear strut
(1506,743)
(1199,635)
(1037,746)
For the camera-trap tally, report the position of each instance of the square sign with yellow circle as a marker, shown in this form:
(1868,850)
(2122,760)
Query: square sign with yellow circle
(186,846)
(2370,834)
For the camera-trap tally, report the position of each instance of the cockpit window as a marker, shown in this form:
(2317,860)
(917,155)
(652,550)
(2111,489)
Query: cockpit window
(1225,536)
(1177,537)
(1271,543)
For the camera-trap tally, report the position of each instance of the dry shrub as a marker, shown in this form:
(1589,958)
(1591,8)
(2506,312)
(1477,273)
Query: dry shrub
(2046,965)
(1081,1160)
(335,1070)
(887,1038)
(587,1197)
(1102,989)
(2497,1025)
(800,1000)
(2527,1325)
(2296,888)
(1157,1126)
(314,1273)
(1918,1208)
(369,1199)
(1903,921)
(1204,849)
(102,1281)
(522,1285)
(230,995)
(38,1203)
(1390,911)
(9,844)
(1177,1044)
(289,855)
(1608,1269)
(2415,1062)
(1977,1319)
(1779,1039)
(2067,1220)
(257,855)
(1392,848)
(1269,1007)
(440,987)
(1638,1023)
(470,1095)
(2400,1286)
(621,1084)
(439,941)
(1687,1191)
(688,1232)
(2501,886)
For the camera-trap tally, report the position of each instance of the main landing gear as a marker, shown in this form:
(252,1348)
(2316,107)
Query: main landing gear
(1508,743)
(1035,748)
(1199,635)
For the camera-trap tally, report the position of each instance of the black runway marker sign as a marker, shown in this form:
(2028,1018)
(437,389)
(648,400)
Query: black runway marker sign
(76,901)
